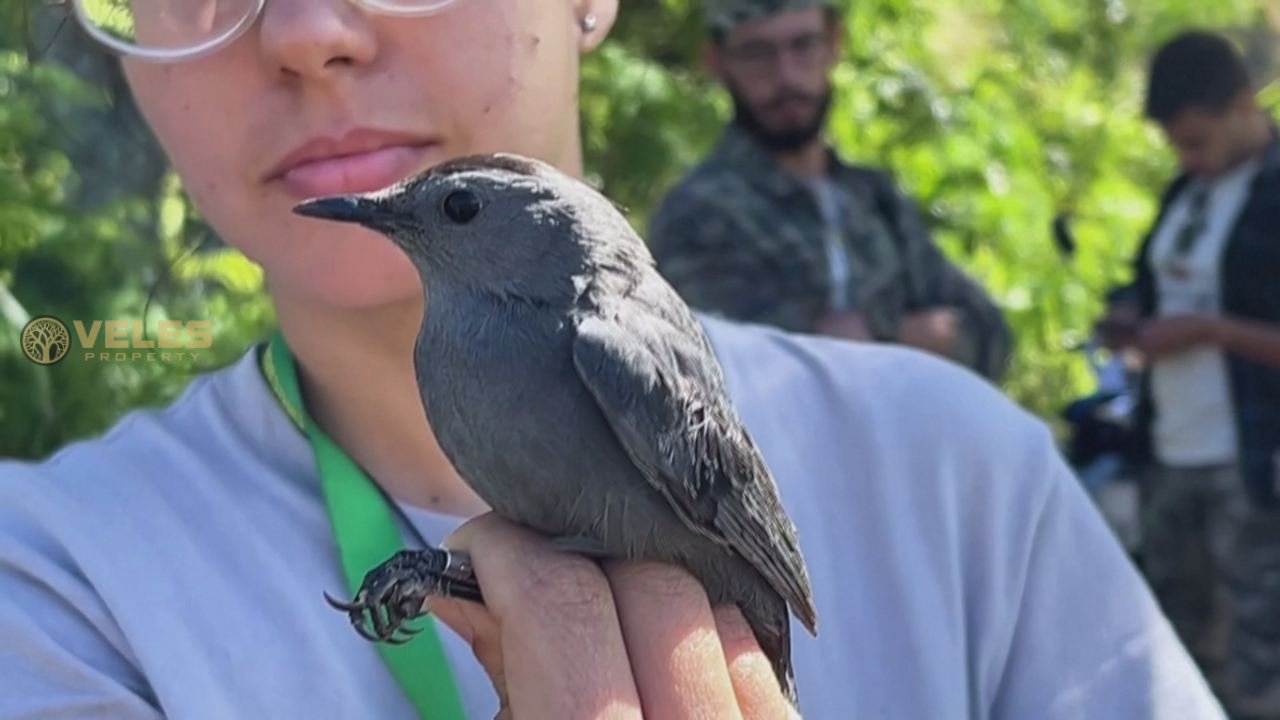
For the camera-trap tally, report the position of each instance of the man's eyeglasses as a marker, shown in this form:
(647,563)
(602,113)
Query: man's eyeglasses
(758,56)
(176,30)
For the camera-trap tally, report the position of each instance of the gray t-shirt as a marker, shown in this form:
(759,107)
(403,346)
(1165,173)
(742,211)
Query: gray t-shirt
(174,566)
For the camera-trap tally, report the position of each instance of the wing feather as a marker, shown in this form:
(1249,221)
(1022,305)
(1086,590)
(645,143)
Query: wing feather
(689,444)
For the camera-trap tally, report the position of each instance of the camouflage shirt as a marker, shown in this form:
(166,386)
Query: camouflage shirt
(741,237)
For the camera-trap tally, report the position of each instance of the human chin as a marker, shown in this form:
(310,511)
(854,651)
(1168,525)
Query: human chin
(351,269)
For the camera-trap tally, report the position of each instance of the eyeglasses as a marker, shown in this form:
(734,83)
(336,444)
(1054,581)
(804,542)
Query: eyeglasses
(758,56)
(176,30)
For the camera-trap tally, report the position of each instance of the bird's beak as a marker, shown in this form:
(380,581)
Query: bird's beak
(364,211)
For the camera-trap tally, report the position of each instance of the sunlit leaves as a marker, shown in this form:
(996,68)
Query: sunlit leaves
(135,256)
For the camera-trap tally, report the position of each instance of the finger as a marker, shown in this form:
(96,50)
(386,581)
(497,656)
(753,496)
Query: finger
(671,639)
(477,626)
(754,683)
(562,647)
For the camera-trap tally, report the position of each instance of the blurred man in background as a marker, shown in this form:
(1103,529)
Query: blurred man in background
(774,228)
(1205,311)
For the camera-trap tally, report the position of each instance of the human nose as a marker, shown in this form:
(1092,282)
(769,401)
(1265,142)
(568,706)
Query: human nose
(316,39)
(791,68)
(801,56)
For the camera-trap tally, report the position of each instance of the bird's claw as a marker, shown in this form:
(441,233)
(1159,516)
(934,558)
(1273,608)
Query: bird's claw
(339,605)
(396,591)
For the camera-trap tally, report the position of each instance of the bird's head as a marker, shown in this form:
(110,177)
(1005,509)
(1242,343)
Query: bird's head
(502,223)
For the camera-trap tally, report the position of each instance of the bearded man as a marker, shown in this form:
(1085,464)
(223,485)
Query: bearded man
(774,228)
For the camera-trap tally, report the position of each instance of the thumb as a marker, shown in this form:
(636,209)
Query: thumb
(478,628)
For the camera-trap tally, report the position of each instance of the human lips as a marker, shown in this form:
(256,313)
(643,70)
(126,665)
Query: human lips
(359,161)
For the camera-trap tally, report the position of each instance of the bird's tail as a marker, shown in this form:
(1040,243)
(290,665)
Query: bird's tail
(777,647)
(772,629)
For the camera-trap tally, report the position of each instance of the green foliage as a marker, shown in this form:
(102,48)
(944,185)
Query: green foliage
(137,256)
(995,115)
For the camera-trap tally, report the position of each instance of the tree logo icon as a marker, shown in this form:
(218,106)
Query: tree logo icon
(45,340)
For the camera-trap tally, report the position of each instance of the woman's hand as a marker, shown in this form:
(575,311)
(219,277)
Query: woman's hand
(561,637)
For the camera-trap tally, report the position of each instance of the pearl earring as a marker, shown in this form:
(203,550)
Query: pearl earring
(589,23)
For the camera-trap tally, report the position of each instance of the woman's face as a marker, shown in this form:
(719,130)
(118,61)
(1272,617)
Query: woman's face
(321,97)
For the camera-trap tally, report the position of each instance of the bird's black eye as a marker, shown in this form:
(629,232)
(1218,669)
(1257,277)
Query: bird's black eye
(461,206)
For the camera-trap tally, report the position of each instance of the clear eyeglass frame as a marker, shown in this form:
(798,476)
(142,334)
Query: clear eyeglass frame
(254,8)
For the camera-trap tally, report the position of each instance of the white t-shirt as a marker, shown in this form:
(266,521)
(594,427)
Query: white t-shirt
(825,193)
(1195,422)
(174,566)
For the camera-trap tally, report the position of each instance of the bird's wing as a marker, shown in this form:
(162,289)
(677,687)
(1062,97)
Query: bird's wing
(689,444)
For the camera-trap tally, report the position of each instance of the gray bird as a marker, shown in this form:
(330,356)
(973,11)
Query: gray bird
(574,391)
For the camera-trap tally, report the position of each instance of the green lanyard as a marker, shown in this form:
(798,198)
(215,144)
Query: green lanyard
(367,535)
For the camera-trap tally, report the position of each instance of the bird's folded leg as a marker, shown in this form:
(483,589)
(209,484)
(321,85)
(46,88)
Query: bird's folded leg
(397,590)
